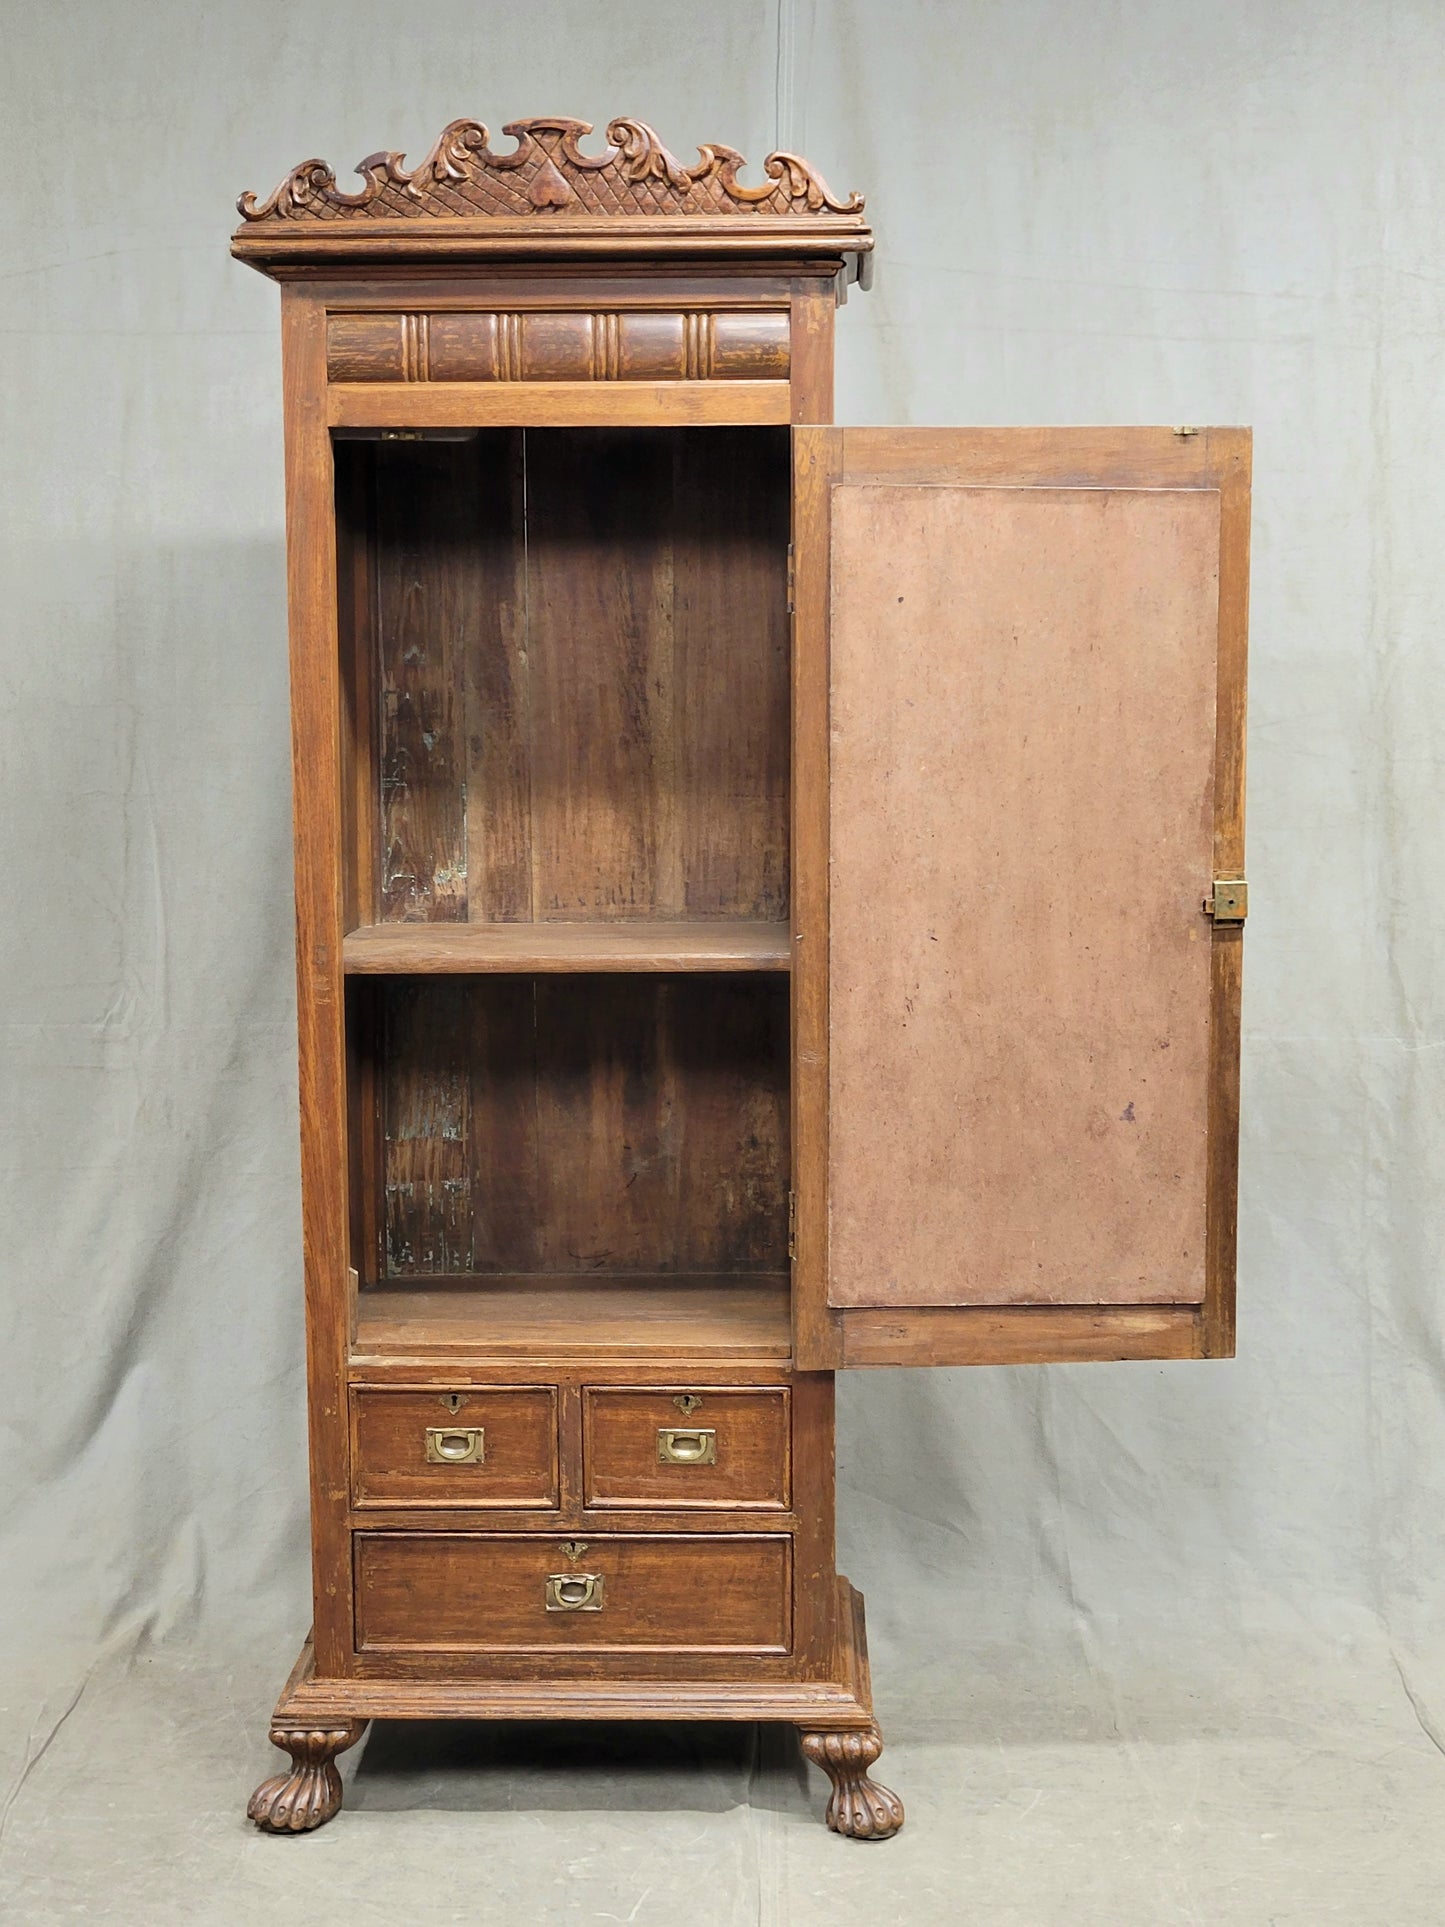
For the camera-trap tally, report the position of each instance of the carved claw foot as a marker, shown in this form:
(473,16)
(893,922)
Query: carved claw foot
(310,1794)
(859,1807)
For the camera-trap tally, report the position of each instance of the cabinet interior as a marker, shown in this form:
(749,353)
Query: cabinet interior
(565,667)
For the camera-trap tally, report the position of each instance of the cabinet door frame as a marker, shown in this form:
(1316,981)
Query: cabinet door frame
(827,1337)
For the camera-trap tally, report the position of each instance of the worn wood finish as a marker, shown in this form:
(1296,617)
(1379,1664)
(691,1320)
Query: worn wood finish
(543,1316)
(390,950)
(859,1808)
(692,344)
(310,1794)
(317,789)
(548,196)
(631,1122)
(880,1310)
(463,1592)
(1021,824)
(567,730)
(516,1467)
(747,1433)
(556,404)
(429,596)
(564,830)
(558,828)
(838,1699)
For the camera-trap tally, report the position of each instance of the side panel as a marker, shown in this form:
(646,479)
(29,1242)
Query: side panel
(316,724)
(1029,1035)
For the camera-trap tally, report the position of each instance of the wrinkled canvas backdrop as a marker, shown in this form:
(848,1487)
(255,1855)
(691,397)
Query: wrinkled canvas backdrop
(1157,213)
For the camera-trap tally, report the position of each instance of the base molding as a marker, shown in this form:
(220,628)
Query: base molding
(317,1718)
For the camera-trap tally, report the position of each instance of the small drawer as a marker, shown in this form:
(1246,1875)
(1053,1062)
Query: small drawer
(687,1448)
(519,1592)
(488,1447)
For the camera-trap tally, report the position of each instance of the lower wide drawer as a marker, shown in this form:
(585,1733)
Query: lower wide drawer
(478,1592)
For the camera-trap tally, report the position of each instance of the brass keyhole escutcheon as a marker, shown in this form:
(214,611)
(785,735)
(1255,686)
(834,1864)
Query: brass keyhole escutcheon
(574,1548)
(687,1403)
(454,1402)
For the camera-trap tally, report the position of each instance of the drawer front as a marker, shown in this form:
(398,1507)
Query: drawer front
(480,1592)
(496,1448)
(672,1447)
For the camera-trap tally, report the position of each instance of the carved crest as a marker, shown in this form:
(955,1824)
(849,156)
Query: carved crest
(548,173)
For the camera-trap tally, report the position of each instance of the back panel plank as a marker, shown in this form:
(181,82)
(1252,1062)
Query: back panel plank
(581,676)
(566,1125)
(1021,823)
(428,612)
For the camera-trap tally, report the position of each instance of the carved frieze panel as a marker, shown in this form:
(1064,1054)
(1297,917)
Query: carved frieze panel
(550,345)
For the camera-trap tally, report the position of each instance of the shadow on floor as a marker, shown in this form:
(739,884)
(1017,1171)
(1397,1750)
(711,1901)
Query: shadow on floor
(571,1766)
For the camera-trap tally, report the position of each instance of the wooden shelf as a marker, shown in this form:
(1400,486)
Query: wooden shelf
(405,949)
(553,1318)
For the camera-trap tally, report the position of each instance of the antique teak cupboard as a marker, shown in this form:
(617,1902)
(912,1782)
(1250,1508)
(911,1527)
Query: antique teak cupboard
(769,900)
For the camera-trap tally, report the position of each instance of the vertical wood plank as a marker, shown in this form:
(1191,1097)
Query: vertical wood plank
(1232,449)
(731,665)
(813,311)
(498,1042)
(320,905)
(599,600)
(428,599)
(356,594)
(726,1040)
(427,1128)
(498,693)
(818,455)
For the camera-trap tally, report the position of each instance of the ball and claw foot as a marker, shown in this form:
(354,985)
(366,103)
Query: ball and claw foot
(310,1794)
(859,1807)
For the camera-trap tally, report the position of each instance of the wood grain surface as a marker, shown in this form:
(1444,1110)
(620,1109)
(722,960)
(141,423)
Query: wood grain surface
(583,676)
(750,1432)
(1021,824)
(518,1466)
(544,1316)
(473,1592)
(563,1124)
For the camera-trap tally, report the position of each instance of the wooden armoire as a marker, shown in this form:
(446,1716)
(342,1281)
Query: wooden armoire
(769,900)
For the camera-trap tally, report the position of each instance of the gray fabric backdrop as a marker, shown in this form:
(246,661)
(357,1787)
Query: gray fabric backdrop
(1151,213)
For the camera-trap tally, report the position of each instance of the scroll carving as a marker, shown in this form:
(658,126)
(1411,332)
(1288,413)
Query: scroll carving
(859,1807)
(548,172)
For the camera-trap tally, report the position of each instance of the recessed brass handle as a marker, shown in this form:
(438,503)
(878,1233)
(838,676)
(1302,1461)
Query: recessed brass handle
(694,1446)
(574,1592)
(455,1444)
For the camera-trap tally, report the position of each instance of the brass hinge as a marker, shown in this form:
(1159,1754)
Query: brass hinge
(1228,901)
(792,581)
(792,1225)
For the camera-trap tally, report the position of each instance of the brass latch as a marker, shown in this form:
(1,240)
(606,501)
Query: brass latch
(1228,901)
(792,1225)
(792,581)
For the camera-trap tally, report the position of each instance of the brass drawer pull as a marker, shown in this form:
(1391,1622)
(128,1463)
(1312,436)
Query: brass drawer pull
(676,1446)
(455,1444)
(574,1592)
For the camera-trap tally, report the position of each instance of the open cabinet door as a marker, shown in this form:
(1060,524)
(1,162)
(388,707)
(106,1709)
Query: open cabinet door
(1018,779)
